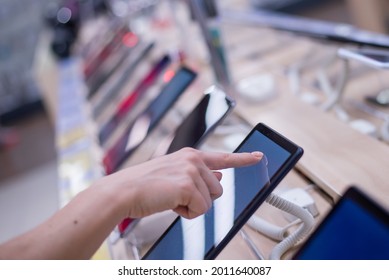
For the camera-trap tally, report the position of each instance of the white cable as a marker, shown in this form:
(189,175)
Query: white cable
(306,226)
(270,230)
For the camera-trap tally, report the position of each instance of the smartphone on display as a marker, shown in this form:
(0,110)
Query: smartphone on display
(113,91)
(132,98)
(145,122)
(356,228)
(244,190)
(108,69)
(374,58)
(93,64)
(204,118)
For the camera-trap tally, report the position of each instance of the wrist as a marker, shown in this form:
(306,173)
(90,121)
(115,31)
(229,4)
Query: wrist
(117,193)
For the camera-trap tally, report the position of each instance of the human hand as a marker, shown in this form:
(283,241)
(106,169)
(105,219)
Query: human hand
(185,181)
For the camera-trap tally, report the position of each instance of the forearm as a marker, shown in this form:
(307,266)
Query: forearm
(74,232)
(183,181)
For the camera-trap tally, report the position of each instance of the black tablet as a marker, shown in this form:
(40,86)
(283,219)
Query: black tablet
(244,190)
(356,228)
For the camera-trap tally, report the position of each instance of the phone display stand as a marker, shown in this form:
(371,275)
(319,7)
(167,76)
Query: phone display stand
(258,88)
(384,129)
(334,103)
(333,91)
(318,60)
(335,94)
(313,57)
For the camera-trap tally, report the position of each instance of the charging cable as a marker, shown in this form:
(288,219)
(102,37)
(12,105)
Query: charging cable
(304,218)
(272,231)
(306,226)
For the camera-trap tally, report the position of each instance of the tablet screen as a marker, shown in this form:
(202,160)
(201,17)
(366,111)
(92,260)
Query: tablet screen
(196,238)
(354,230)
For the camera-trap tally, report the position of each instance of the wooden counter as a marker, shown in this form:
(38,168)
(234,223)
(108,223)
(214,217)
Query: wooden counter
(336,155)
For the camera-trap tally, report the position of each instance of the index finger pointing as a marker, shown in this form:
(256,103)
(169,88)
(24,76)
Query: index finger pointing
(216,161)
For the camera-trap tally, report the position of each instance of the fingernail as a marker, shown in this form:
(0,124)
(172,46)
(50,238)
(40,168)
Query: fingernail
(257,154)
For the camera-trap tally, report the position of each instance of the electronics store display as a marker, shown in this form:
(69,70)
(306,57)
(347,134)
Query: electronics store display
(137,131)
(93,64)
(140,53)
(374,58)
(108,120)
(129,42)
(212,109)
(132,98)
(245,189)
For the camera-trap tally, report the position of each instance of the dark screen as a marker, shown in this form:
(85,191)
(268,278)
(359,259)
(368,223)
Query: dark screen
(204,117)
(193,239)
(350,232)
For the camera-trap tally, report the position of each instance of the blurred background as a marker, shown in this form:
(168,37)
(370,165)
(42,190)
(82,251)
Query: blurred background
(28,157)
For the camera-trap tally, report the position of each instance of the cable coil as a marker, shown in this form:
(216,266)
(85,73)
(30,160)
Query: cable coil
(305,227)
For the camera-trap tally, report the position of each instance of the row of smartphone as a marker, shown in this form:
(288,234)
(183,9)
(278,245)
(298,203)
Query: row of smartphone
(126,108)
(125,116)
(128,88)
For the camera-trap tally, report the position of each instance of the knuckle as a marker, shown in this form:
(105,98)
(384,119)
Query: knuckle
(191,155)
(186,187)
(187,149)
(191,170)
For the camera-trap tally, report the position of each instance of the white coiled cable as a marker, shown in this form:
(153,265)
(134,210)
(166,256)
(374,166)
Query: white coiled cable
(307,223)
(270,230)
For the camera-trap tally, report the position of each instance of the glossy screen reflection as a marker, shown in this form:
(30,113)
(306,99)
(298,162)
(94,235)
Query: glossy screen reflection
(198,122)
(193,239)
(210,111)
